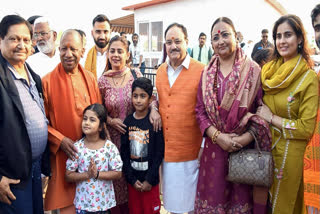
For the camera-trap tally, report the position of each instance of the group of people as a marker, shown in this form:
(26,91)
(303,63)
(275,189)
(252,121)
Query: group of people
(100,134)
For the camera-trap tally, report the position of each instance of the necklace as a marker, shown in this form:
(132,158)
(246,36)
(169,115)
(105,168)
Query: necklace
(116,83)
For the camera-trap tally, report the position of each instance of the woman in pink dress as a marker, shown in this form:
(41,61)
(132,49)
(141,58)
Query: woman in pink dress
(115,87)
(228,96)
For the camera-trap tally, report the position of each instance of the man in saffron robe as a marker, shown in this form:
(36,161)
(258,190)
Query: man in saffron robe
(68,90)
(97,56)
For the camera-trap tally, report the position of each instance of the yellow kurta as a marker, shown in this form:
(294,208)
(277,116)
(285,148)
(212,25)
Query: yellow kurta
(297,104)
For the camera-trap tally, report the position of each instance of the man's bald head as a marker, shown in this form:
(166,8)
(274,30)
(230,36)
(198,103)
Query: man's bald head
(71,50)
(72,32)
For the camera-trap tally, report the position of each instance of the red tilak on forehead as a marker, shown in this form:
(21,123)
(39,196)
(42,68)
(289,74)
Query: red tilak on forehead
(68,45)
(172,38)
(219,31)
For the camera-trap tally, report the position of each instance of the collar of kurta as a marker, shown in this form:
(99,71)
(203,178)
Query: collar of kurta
(61,84)
(185,63)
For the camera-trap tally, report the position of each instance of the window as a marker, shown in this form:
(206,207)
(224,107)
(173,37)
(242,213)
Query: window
(156,37)
(151,36)
(151,40)
(144,36)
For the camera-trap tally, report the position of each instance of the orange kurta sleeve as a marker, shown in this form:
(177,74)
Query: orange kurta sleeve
(54,136)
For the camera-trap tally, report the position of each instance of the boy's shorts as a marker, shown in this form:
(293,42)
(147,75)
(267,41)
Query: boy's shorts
(144,202)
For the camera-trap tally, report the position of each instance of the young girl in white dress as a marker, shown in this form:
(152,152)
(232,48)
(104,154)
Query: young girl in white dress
(98,162)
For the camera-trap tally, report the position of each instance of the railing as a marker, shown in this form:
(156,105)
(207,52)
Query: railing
(151,73)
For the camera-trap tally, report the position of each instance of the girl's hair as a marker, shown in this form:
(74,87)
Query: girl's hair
(143,83)
(262,56)
(297,26)
(117,38)
(101,113)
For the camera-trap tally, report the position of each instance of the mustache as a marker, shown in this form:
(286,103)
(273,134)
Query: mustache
(175,50)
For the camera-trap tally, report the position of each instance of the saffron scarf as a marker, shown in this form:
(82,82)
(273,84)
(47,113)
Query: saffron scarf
(277,75)
(62,86)
(311,172)
(91,61)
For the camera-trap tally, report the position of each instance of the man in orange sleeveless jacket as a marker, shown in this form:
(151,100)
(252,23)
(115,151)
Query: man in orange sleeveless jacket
(177,85)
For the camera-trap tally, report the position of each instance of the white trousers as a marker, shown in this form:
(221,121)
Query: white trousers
(179,185)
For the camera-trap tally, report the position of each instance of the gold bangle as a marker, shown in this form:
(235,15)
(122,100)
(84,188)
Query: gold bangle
(212,136)
(216,136)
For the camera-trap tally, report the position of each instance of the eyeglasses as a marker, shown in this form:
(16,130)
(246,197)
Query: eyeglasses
(264,36)
(43,34)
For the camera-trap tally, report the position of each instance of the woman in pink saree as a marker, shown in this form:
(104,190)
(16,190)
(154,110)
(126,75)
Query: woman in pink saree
(228,96)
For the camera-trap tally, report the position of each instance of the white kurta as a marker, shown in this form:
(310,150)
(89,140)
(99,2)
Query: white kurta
(101,63)
(41,64)
(180,179)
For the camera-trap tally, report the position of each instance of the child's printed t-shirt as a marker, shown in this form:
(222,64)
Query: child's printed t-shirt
(95,195)
(142,151)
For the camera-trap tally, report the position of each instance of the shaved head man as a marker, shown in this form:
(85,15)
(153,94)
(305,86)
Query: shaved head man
(68,90)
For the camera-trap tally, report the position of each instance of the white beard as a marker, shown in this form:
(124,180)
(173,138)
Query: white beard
(48,47)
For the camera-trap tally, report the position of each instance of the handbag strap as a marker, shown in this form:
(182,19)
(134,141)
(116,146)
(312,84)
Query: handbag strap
(255,140)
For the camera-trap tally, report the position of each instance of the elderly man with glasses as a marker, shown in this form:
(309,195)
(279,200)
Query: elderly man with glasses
(24,152)
(48,58)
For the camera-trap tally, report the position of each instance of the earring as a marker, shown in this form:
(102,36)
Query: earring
(299,46)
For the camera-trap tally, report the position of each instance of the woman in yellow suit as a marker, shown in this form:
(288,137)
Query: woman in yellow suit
(291,102)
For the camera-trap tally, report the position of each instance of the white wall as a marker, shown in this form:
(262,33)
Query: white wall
(249,16)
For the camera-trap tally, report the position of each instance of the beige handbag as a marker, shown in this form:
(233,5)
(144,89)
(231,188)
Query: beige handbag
(251,166)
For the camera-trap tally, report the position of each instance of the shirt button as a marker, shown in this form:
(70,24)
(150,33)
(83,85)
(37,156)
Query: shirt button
(167,117)
(166,128)
(169,94)
(168,106)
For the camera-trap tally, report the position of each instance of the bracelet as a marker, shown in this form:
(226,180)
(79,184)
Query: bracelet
(155,108)
(215,136)
(212,136)
(271,119)
(96,178)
